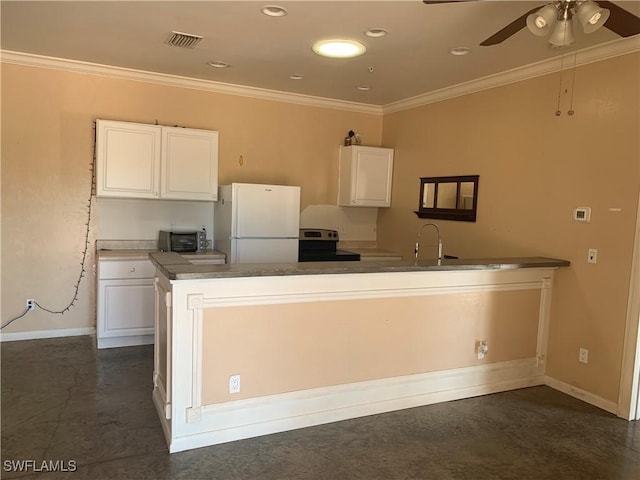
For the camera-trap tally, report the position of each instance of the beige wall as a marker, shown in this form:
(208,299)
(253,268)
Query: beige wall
(535,168)
(47,148)
(284,348)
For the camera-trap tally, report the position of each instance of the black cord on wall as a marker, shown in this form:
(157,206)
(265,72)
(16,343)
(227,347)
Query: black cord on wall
(85,250)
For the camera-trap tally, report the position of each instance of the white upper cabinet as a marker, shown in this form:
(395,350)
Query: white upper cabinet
(150,161)
(189,164)
(365,176)
(127,159)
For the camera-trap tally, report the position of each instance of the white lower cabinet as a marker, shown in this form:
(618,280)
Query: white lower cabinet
(125,303)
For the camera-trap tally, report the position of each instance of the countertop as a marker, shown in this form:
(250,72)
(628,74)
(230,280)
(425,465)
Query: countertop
(175,267)
(143,254)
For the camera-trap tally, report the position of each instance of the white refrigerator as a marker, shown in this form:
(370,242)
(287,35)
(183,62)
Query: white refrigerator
(255,223)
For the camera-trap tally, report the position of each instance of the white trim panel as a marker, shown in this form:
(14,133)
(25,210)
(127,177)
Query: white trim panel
(312,288)
(230,421)
(194,425)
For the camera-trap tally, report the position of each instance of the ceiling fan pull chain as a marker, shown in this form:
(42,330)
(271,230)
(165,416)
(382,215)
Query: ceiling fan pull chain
(558,112)
(573,83)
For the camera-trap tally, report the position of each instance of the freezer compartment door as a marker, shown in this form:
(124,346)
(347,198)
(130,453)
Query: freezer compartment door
(265,250)
(266,211)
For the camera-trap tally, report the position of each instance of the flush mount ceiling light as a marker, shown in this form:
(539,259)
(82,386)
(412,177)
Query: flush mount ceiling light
(557,20)
(296,76)
(363,88)
(274,11)
(338,48)
(218,64)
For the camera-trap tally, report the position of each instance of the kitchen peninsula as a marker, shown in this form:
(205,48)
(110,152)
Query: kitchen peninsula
(303,344)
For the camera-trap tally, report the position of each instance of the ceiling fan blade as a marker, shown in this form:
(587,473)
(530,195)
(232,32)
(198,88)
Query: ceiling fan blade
(514,27)
(620,21)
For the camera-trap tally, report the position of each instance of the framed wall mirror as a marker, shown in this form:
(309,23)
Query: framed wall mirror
(449,198)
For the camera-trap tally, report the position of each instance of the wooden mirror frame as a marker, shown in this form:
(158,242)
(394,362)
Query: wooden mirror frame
(457,213)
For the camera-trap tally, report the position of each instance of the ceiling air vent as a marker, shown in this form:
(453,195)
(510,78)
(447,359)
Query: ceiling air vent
(183,40)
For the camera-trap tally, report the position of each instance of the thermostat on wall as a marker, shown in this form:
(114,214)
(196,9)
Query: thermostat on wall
(582,214)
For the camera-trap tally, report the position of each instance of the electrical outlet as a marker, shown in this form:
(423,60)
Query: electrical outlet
(234,384)
(31,304)
(593,256)
(482,347)
(583,355)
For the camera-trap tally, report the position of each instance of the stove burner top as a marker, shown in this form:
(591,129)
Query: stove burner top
(319,245)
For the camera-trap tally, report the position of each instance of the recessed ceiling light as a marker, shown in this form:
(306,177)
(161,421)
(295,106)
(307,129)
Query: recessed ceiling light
(218,64)
(296,76)
(458,51)
(363,88)
(338,48)
(274,11)
(376,32)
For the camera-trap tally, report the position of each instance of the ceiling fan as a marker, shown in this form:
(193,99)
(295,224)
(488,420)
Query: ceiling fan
(556,19)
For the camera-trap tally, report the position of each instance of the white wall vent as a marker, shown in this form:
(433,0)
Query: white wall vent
(183,40)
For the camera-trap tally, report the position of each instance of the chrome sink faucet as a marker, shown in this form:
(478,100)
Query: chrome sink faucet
(439,245)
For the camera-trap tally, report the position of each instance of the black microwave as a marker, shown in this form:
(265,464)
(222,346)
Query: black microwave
(192,241)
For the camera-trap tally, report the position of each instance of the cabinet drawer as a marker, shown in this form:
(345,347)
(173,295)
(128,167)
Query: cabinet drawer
(125,269)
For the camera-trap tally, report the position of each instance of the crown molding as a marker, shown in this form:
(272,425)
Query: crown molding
(75,66)
(588,55)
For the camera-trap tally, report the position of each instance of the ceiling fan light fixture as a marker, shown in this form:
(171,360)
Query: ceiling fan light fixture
(562,34)
(592,16)
(541,22)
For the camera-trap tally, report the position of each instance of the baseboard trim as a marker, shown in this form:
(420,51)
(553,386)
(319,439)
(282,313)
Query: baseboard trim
(39,334)
(580,394)
(220,423)
(128,341)
(159,401)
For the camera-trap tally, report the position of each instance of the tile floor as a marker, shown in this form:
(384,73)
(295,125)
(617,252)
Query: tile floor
(62,400)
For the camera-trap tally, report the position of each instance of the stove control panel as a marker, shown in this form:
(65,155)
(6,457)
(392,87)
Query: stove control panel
(318,234)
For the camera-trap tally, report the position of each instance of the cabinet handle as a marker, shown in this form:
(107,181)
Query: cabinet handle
(132,269)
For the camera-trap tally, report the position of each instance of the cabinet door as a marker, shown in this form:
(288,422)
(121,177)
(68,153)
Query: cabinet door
(127,159)
(365,176)
(125,309)
(189,164)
